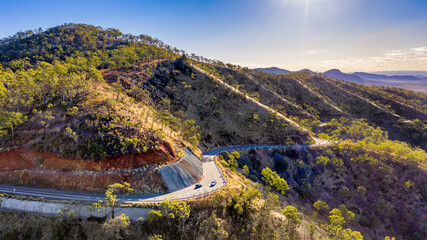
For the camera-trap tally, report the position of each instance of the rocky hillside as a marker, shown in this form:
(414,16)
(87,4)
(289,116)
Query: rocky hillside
(85,92)
(378,189)
(400,112)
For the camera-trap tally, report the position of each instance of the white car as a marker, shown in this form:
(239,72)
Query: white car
(213,183)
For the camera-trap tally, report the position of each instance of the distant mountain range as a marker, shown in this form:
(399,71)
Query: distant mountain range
(345,76)
(276,70)
(413,73)
(273,70)
(417,83)
(411,80)
(371,76)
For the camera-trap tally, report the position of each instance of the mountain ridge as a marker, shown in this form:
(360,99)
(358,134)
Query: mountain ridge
(274,70)
(336,73)
(411,80)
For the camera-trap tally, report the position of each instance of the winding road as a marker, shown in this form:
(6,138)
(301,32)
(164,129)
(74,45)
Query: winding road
(211,173)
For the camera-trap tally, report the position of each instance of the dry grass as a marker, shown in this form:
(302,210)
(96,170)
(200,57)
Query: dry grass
(138,113)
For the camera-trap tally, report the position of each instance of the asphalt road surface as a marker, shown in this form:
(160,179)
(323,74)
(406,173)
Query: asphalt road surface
(210,170)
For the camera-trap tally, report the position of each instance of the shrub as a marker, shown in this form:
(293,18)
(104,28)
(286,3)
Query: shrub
(245,170)
(224,163)
(409,184)
(361,190)
(321,206)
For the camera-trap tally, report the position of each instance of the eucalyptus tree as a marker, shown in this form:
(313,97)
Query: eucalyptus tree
(110,200)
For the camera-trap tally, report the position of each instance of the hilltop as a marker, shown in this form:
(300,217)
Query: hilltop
(82,93)
(348,77)
(274,70)
(92,74)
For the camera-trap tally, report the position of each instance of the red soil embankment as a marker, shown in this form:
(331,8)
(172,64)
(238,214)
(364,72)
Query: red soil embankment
(20,159)
(141,183)
(28,167)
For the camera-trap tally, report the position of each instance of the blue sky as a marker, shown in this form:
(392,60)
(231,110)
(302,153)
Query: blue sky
(353,35)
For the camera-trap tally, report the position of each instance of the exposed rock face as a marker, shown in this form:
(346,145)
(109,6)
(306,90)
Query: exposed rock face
(29,167)
(183,173)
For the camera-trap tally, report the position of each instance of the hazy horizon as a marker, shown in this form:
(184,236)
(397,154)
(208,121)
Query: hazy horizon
(351,35)
(386,73)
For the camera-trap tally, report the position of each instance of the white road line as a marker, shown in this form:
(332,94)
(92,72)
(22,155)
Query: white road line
(210,170)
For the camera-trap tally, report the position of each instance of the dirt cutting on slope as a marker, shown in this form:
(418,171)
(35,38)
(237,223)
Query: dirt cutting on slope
(29,167)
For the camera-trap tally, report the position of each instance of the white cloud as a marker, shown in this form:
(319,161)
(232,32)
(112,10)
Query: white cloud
(404,56)
(407,53)
(316,52)
(411,59)
(397,59)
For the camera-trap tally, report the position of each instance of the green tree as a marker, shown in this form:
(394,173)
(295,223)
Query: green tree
(71,134)
(337,221)
(191,132)
(173,216)
(232,161)
(293,220)
(117,228)
(210,227)
(235,154)
(67,224)
(155,237)
(321,206)
(110,199)
(45,118)
(11,120)
(245,170)
(272,179)
(265,226)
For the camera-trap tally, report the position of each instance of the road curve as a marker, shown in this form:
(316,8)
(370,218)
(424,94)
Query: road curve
(210,170)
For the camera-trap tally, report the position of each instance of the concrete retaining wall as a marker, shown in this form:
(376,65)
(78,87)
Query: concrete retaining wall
(45,208)
(184,173)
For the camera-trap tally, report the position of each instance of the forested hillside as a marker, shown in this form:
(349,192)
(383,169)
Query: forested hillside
(53,88)
(49,78)
(55,99)
(83,96)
